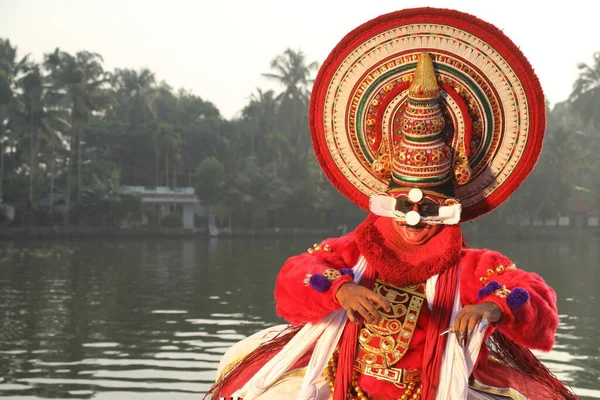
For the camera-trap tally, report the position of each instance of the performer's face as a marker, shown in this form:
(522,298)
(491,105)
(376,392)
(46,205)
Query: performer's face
(418,234)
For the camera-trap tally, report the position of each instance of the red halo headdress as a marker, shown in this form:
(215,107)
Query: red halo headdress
(491,100)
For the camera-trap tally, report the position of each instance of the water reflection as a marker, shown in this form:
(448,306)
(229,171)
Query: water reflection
(571,267)
(150,319)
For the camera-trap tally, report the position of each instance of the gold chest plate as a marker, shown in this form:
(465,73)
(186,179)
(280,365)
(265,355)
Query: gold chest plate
(383,344)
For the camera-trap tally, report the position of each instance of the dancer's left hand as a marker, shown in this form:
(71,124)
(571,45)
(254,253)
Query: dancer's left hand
(471,315)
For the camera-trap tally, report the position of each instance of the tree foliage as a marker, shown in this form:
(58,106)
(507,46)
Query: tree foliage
(72,132)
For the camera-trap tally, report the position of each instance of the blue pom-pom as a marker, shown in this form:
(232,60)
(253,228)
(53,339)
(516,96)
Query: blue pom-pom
(319,282)
(347,271)
(488,289)
(517,298)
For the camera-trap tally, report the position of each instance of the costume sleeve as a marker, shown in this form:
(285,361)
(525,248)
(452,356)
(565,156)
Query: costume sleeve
(528,304)
(306,285)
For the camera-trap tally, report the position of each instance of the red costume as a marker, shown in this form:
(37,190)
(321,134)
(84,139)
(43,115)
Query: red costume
(533,325)
(427,118)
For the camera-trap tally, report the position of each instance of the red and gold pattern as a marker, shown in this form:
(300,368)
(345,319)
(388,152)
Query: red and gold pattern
(421,157)
(383,344)
(489,97)
(462,171)
(382,167)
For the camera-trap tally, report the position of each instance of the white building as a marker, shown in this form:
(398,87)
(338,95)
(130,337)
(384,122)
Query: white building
(168,200)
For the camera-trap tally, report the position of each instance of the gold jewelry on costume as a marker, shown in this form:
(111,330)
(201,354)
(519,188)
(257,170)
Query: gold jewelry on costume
(412,388)
(501,269)
(383,344)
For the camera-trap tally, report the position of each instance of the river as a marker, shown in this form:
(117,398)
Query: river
(149,319)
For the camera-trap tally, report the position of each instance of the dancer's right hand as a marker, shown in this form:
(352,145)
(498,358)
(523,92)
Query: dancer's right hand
(358,299)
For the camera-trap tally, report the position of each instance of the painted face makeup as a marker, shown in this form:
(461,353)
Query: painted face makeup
(417,234)
(415,207)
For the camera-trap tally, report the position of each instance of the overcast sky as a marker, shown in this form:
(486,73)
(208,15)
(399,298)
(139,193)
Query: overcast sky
(218,48)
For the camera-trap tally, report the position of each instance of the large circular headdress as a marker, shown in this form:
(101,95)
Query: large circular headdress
(483,103)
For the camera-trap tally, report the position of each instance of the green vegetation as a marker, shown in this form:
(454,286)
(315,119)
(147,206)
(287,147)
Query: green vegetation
(72,133)
(565,180)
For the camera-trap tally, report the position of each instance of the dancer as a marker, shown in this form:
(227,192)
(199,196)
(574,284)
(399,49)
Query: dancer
(427,118)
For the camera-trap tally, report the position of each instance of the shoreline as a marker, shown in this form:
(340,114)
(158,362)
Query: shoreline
(53,233)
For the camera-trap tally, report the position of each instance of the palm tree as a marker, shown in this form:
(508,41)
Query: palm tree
(559,172)
(577,148)
(10,68)
(197,121)
(260,117)
(136,92)
(5,99)
(32,93)
(44,122)
(291,70)
(586,91)
(290,140)
(171,143)
(79,84)
(229,178)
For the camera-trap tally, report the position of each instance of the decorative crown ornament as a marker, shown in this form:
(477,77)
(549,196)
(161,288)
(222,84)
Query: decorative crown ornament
(425,98)
(421,157)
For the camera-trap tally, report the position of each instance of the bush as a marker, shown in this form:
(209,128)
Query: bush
(4,214)
(173,220)
(200,221)
(43,217)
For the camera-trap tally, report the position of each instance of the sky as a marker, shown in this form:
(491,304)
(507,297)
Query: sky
(218,49)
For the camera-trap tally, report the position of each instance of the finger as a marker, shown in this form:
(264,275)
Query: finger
(351,316)
(365,314)
(371,309)
(456,324)
(381,301)
(461,328)
(471,326)
(464,322)
(495,313)
(455,328)
(484,321)
(475,318)
(459,337)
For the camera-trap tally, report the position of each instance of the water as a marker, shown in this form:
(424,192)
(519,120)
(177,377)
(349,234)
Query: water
(150,319)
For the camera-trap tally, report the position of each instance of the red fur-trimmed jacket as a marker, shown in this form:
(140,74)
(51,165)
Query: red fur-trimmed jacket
(532,325)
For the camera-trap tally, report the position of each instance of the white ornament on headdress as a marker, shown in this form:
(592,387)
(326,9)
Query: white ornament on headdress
(415,195)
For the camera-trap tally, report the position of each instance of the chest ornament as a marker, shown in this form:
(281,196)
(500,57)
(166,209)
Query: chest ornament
(383,344)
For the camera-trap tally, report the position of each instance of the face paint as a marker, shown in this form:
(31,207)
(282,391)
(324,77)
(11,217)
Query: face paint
(415,235)
(415,206)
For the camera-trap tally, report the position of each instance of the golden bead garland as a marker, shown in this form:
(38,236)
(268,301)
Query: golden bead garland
(331,370)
